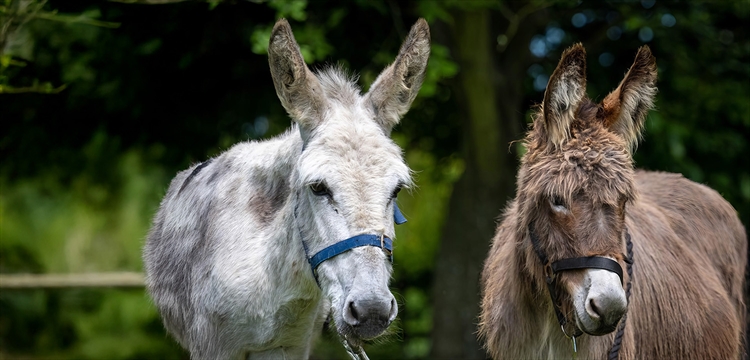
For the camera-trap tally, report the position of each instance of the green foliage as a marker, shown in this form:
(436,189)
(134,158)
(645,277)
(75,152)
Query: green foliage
(310,36)
(440,68)
(425,207)
(86,227)
(313,45)
(17,41)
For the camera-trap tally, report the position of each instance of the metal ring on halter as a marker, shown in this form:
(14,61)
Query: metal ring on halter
(573,338)
(354,354)
(562,327)
(384,246)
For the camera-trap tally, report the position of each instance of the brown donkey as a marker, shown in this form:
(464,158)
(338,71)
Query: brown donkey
(582,214)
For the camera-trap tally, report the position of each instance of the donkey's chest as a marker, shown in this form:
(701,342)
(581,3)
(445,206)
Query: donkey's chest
(286,325)
(294,314)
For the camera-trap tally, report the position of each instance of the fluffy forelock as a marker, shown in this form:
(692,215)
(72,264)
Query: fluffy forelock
(339,86)
(349,145)
(593,158)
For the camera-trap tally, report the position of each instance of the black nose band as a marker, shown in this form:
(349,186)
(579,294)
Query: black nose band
(591,262)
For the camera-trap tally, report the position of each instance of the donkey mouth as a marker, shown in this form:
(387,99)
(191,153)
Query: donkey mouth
(356,335)
(601,329)
(596,326)
(371,329)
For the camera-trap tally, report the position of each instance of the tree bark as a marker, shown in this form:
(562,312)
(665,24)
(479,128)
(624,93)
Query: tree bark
(489,91)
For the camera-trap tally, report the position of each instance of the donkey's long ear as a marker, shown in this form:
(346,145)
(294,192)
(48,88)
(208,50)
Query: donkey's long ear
(565,90)
(396,87)
(625,108)
(296,86)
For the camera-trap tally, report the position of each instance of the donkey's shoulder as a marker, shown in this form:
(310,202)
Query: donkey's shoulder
(689,202)
(256,161)
(666,188)
(250,176)
(279,152)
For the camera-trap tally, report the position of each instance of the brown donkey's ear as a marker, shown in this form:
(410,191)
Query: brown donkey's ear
(296,86)
(625,108)
(396,87)
(565,90)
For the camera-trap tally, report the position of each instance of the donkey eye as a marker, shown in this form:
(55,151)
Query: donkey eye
(320,189)
(396,191)
(557,203)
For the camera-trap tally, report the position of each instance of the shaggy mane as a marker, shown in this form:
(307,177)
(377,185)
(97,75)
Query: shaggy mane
(338,85)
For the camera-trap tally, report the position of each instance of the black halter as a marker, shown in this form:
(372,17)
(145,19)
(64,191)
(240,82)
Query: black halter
(590,262)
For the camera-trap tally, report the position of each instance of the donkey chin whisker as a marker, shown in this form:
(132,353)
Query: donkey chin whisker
(352,339)
(348,332)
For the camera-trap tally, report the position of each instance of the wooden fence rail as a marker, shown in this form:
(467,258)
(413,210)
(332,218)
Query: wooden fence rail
(63,281)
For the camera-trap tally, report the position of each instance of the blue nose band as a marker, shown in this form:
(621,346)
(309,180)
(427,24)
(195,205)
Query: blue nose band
(353,242)
(381,241)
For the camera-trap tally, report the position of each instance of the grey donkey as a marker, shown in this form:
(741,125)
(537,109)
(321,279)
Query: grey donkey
(228,258)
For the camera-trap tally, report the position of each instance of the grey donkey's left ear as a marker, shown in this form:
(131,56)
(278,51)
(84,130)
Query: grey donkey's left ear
(396,87)
(296,86)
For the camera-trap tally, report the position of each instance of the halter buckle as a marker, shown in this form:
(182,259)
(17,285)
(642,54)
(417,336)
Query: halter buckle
(385,250)
(549,274)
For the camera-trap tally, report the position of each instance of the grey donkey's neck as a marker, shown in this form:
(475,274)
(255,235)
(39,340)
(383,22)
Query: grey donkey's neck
(288,255)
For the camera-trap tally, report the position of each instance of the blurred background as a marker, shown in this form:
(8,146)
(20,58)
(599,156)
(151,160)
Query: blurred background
(102,102)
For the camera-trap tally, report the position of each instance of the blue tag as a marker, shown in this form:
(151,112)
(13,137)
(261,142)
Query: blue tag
(398,217)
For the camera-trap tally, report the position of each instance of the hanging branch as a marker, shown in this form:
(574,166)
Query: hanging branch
(74,19)
(44,88)
(514,20)
(150,2)
(213,3)
(14,14)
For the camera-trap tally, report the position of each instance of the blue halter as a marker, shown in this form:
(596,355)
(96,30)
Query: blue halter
(356,241)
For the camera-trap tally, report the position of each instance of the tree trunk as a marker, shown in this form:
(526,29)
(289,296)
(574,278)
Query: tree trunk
(489,91)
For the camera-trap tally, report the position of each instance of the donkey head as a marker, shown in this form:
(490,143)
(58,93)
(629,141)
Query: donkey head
(350,171)
(576,180)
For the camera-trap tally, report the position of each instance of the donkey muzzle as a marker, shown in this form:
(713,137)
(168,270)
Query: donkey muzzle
(369,317)
(603,304)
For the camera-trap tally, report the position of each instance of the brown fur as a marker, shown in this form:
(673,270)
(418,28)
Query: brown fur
(689,245)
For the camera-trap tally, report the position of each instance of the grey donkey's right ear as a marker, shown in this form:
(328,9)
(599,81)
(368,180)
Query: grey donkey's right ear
(396,87)
(296,86)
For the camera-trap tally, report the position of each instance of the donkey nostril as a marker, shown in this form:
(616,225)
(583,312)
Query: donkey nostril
(353,311)
(351,316)
(593,310)
(394,311)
